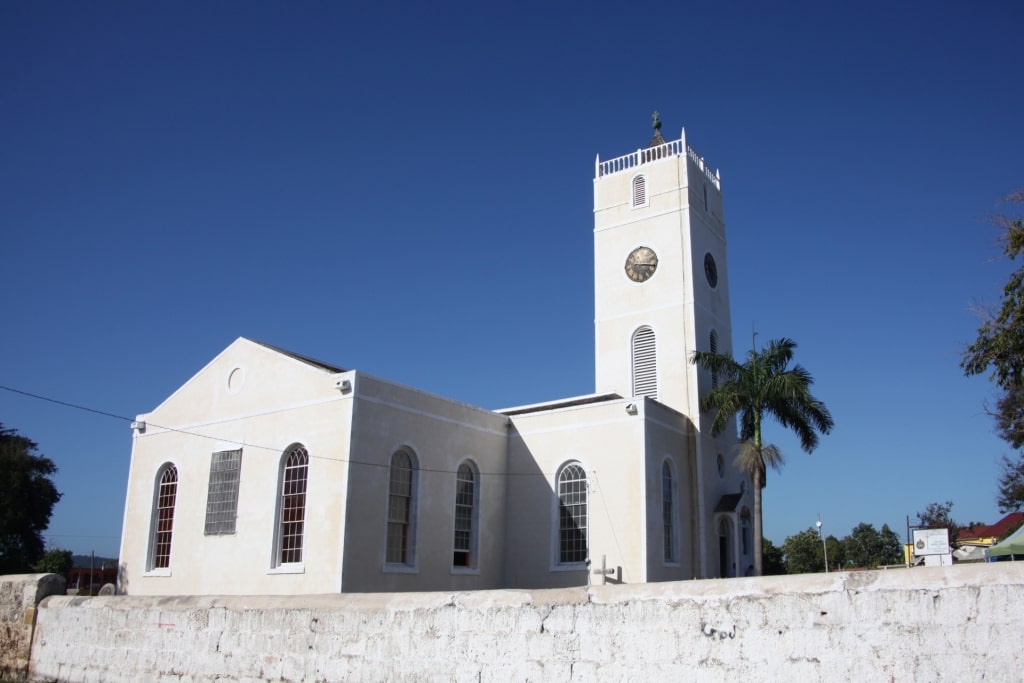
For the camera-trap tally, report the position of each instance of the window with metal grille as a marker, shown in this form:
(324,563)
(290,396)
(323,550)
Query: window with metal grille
(465,517)
(639,190)
(401,492)
(572,514)
(713,343)
(222,494)
(645,366)
(292,505)
(668,512)
(163,518)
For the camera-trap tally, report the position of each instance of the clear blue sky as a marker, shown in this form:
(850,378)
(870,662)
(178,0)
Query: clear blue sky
(406,189)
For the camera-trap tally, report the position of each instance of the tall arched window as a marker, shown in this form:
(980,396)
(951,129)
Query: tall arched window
(713,344)
(163,518)
(466,516)
(572,514)
(645,365)
(291,505)
(668,512)
(639,190)
(401,513)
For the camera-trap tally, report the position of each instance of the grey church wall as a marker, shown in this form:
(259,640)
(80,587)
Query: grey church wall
(957,623)
(442,434)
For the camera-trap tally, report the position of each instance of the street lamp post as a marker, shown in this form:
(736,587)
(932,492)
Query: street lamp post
(824,547)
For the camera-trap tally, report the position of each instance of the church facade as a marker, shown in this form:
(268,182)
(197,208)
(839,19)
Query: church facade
(270,473)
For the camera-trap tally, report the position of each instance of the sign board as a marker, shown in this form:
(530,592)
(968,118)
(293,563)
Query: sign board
(931,542)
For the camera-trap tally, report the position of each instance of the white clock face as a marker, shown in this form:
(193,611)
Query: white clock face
(641,264)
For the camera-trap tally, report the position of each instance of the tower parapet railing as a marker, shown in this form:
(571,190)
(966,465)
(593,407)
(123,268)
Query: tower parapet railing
(643,156)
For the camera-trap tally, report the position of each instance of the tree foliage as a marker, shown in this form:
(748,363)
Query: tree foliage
(55,561)
(1011,485)
(869,548)
(999,347)
(774,559)
(805,553)
(27,497)
(763,387)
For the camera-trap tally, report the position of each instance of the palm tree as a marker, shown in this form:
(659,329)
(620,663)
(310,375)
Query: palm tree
(762,387)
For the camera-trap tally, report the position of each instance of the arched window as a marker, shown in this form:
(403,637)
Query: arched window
(713,344)
(572,514)
(668,512)
(466,516)
(291,505)
(645,365)
(401,511)
(745,530)
(639,190)
(163,518)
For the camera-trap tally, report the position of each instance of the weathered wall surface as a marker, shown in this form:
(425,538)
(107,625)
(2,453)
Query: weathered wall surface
(926,624)
(19,595)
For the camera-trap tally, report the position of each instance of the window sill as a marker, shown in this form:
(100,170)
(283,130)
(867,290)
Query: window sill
(466,570)
(571,567)
(296,568)
(157,572)
(400,569)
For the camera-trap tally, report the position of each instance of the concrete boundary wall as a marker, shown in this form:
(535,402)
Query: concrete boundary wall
(960,623)
(19,596)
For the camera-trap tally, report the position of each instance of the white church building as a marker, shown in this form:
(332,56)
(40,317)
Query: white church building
(272,473)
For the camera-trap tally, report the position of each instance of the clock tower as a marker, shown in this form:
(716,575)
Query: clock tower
(661,291)
(661,279)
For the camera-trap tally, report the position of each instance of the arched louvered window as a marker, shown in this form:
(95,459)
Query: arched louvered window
(401,509)
(572,514)
(645,366)
(639,190)
(466,516)
(291,505)
(668,512)
(163,518)
(713,344)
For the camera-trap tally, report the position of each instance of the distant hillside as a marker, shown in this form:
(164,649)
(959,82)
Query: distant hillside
(87,561)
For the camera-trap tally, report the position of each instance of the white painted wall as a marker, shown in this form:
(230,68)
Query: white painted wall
(959,623)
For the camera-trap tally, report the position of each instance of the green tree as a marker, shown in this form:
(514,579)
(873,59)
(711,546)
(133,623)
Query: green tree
(868,547)
(764,386)
(1011,485)
(804,552)
(55,561)
(999,347)
(27,497)
(774,559)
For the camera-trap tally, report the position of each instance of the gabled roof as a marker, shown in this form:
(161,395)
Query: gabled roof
(1010,521)
(305,359)
(729,502)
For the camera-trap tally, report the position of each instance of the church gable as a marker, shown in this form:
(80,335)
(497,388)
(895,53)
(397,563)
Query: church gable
(246,378)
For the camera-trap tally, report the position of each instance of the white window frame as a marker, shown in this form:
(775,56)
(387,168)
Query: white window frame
(644,361)
(669,514)
(582,487)
(153,553)
(408,564)
(638,194)
(460,505)
(292,484)
(222,495)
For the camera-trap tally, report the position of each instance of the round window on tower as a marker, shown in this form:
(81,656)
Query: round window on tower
(711,270)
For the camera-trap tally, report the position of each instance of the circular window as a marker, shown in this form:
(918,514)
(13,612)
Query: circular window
(721,465)
(711,270)
(236,378)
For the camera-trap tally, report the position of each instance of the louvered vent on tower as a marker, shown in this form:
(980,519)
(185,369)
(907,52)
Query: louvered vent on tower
(645,365)
(639,191)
